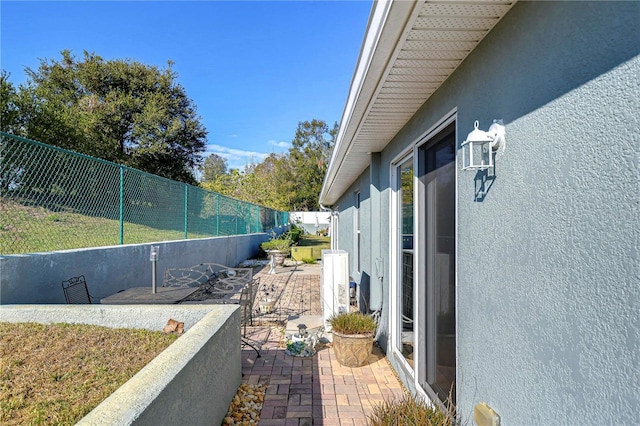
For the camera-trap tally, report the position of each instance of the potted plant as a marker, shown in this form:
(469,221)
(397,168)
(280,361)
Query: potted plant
(353,335)
(278,247)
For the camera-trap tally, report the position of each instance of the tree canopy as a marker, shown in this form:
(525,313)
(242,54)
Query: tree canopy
(213,166)
(118,110)
(309,156)
(138,115)
(290,181)
(8,108)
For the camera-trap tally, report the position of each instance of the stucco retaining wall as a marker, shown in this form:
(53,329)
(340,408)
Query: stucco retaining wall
(191,382)
(37,277)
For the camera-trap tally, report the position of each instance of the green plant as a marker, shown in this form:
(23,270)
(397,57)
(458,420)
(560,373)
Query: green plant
(281,244)
(295,231)
(410,411)
(353,323)
(299,348)
(294,234)
(55,218)
(309,261)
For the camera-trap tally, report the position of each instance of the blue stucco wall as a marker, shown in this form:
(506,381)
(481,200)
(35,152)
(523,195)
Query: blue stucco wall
(548,278)
(36,278)
(347,230)
(548,323)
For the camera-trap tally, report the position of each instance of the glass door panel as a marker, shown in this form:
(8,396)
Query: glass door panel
(405,321)
(438,200)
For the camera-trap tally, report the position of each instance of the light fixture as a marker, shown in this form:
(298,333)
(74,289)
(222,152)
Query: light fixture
(153,257)
(478,150)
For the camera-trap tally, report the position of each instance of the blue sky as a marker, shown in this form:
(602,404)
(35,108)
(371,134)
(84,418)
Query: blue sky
(253,69)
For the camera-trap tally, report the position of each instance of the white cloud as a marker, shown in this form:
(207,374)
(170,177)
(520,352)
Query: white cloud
(281,144)
(236,158)
(239,158)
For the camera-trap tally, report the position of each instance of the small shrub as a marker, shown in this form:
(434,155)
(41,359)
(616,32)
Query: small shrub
(294,234)
(309,261)
(353,323)
(54,218)
(281,243)
(410,411)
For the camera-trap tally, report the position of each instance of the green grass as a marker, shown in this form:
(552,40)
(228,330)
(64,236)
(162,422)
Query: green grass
(316,243)
(25,229)
(308,240)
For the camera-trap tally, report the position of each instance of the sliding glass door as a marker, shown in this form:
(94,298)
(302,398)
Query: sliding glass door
(437,262)
(424,262)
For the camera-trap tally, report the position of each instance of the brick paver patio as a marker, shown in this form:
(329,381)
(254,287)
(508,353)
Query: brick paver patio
(315,390)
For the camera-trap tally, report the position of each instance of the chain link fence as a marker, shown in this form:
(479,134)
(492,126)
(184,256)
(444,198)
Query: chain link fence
(54,199)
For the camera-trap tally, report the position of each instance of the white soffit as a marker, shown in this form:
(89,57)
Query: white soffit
(409,50)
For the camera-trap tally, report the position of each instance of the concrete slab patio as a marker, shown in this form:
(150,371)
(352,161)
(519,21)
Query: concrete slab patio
(316,390)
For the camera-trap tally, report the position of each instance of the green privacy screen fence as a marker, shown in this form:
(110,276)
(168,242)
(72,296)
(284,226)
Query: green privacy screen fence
(54,199)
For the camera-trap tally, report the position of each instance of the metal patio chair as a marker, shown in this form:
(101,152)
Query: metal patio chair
(247,297)
(75,291)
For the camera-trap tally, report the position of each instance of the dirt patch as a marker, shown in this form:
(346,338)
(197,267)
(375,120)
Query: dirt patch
(57,373)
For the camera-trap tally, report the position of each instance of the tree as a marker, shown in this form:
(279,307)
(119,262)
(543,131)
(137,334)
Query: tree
(213,166)
(11,172)
(309,157)
(289,181)
(268,183)
(9,113)
(118,110)
(273,177)
(228,184)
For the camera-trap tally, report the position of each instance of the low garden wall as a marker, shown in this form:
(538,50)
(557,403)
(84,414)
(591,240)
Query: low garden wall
(37,277)
(302,253)
(191,382)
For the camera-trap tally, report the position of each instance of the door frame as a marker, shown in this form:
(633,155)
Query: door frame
(419,227)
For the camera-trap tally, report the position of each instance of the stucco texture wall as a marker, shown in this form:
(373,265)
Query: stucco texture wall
(548,268)
(37,277)
(548,263)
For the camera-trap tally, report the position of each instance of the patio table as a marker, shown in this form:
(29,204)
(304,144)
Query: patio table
(144,296)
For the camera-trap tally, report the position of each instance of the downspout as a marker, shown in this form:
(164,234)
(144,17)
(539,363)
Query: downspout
(333,225)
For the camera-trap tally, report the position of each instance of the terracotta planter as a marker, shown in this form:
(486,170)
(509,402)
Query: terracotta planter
(352,350)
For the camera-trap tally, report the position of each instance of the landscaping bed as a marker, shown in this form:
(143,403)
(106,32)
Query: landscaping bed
(57,373)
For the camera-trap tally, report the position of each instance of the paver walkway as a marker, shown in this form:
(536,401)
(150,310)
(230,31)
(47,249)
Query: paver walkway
(315,390)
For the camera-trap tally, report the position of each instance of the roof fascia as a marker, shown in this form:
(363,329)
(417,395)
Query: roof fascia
(387,22)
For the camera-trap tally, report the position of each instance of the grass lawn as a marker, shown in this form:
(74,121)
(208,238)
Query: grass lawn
(316,243)
(58,373)
(308,240)
(27,229)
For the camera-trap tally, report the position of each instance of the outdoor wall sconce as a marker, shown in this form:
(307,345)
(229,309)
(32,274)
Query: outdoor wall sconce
(478,149)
